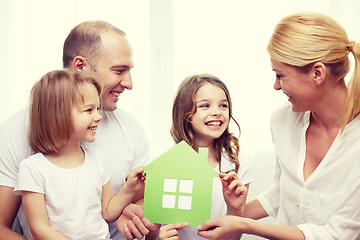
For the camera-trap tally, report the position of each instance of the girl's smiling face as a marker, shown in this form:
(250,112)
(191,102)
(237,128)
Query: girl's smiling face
(85,116)
(212,114)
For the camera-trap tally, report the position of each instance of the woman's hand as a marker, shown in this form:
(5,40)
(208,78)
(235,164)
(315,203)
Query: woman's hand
(220,228)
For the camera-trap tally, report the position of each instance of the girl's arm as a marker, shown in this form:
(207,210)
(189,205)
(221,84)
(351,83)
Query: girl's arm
(228,226)
(170,231)
(255,210)
(112,206)
(37,217)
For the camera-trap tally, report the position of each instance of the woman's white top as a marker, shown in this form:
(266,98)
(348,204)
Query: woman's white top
(326,205)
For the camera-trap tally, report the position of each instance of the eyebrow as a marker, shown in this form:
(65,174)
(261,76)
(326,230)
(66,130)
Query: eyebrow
(206,100)
(122,66)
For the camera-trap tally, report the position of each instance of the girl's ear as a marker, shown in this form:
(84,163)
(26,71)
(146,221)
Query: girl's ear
(80,63)
(319,72)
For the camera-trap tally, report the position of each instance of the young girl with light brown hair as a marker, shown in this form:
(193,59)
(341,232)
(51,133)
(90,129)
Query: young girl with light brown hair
(202,111)
(65,187)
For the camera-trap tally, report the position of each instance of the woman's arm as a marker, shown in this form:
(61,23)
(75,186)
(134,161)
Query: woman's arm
(228,226)
(37,217)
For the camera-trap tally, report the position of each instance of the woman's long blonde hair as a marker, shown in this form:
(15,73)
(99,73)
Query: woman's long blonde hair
(302,39)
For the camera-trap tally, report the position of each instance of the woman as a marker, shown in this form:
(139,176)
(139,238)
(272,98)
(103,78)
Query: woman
(316,137)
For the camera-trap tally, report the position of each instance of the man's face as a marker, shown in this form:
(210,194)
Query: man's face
(113,65)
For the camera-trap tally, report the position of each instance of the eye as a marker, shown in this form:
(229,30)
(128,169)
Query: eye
(224,105)
(88,110)
(204,105)
(278,76)
(119,71)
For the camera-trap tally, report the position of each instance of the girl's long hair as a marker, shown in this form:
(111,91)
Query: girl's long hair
(184,108)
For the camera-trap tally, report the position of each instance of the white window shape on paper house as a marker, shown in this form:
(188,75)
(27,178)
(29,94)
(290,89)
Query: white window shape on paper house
(181,193)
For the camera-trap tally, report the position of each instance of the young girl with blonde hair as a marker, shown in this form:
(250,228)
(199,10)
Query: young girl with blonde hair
(65,187)
(202,111)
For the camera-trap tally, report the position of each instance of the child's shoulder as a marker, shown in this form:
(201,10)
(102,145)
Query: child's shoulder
(35,161)
(226,164)
(244,171)
(35,158)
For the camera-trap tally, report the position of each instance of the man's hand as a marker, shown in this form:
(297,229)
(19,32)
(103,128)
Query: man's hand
(132,223)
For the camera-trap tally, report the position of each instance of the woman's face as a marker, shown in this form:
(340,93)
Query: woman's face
(298,87)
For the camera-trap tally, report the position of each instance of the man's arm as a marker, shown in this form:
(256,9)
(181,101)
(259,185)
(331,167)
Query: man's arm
(9,206)
(13,148)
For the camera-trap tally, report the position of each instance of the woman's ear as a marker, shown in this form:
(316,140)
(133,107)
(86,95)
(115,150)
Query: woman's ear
(79,63)
(319,72)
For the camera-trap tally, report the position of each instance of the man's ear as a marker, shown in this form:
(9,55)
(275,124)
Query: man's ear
(319,72)
(79,63)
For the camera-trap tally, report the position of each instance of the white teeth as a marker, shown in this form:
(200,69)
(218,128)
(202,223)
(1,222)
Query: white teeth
(116,94)
(213,124)
(93,128)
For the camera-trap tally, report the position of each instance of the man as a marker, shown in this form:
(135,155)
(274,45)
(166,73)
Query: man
(100,49)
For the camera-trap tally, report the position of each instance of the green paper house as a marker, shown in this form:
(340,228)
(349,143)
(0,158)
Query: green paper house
(178,186)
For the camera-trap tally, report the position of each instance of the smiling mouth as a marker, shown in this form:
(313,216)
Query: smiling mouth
(214,123)
(92,128)
(286,94)
(116,94)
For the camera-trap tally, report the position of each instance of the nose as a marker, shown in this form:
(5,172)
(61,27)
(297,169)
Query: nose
(126,82)
(215,111)
(277,84)
(97,117)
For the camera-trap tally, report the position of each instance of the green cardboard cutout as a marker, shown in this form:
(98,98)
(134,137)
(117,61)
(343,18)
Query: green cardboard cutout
(178,186)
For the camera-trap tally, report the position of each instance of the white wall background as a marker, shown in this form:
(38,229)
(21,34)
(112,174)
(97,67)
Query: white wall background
(171,39)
